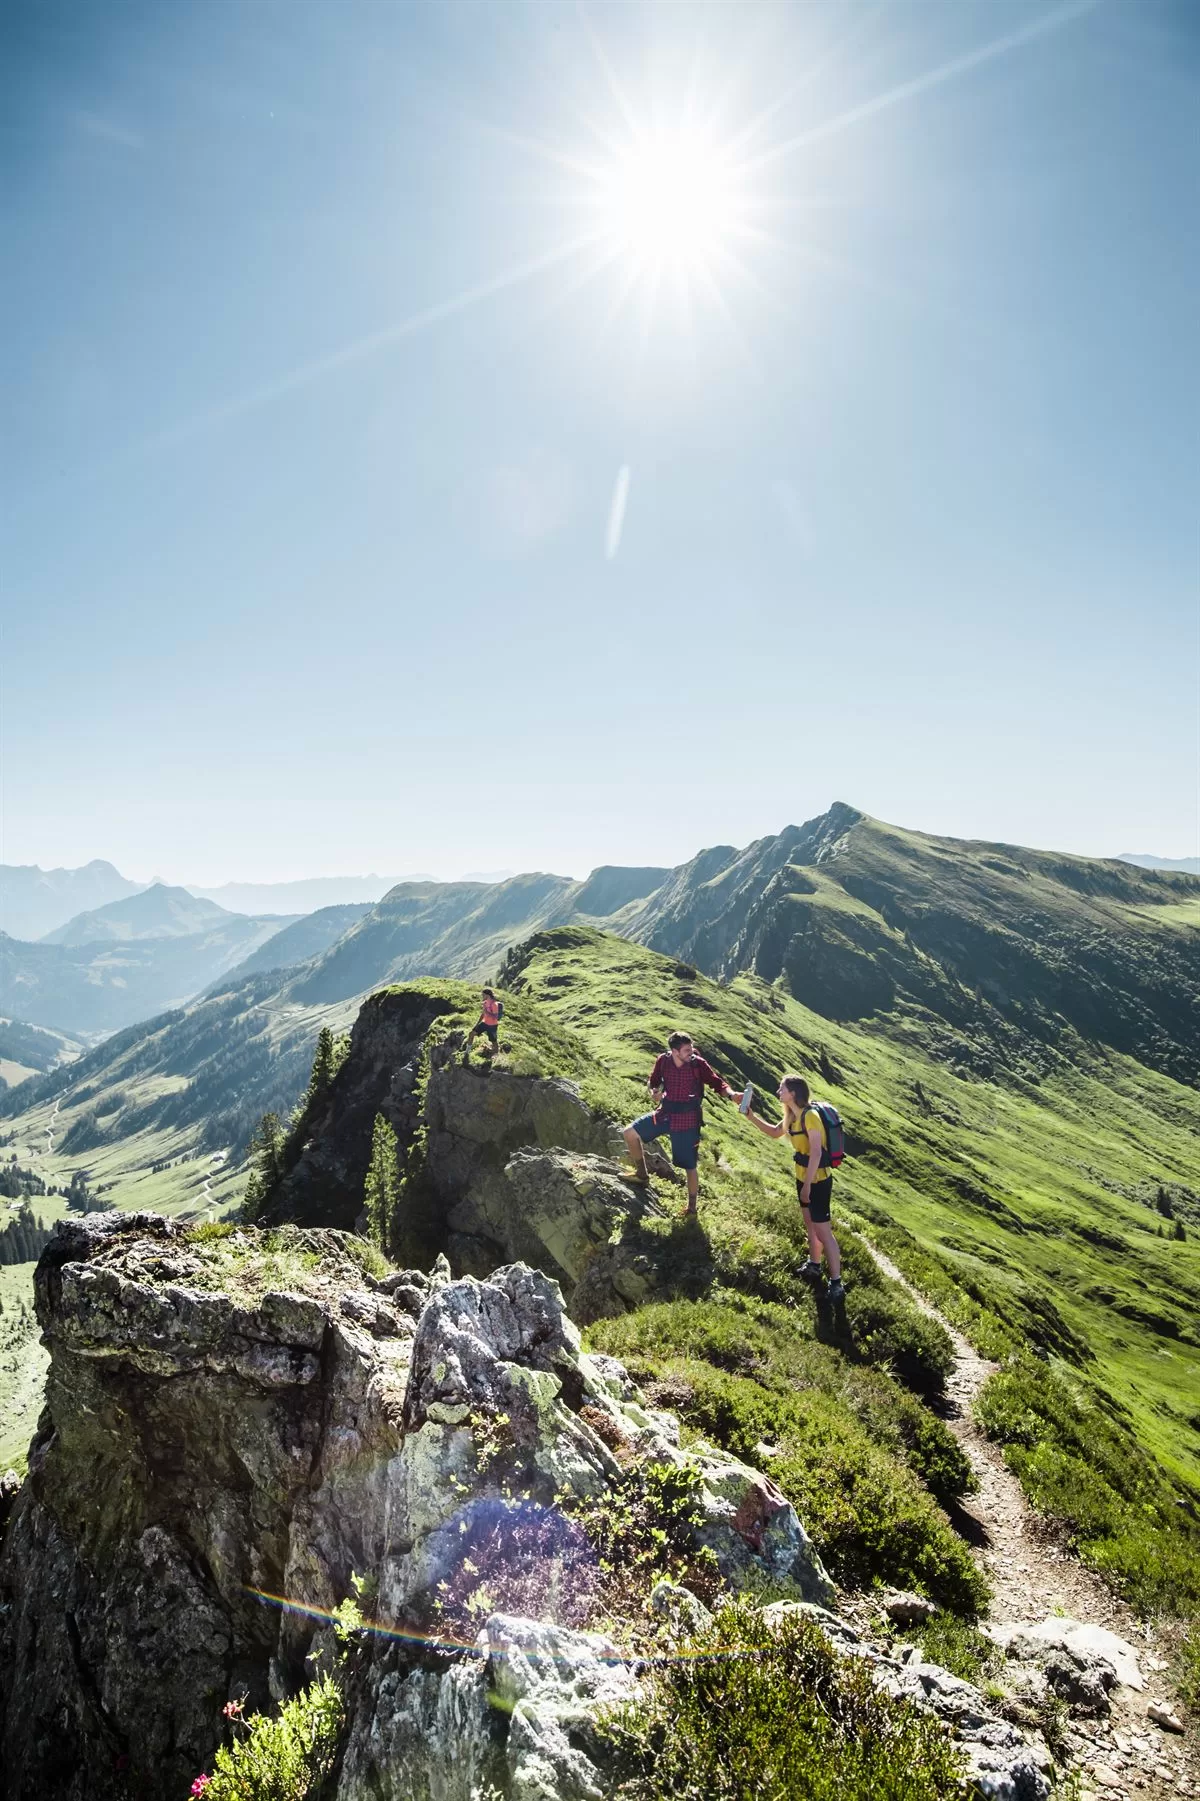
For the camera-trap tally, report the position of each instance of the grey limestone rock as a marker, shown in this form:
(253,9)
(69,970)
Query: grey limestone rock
(904,1609)
(513,1721)
(678,1610)
(235,1424)
(1030,1642)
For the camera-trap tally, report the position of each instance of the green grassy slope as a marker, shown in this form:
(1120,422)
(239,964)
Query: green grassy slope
(1002,947)
(175,1093)
(1037,1201)
(92,989)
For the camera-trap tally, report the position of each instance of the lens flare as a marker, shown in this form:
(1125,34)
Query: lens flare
(473,1647)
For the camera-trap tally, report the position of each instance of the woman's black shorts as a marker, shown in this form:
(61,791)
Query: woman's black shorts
(818,1198)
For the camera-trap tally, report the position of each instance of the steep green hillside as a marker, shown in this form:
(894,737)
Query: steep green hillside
(92,989)
(1037,1203)
(145,1113)
(308,938)
(464,928)
(1002,947)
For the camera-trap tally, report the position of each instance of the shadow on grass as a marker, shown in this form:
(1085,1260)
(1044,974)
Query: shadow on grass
(676,1247)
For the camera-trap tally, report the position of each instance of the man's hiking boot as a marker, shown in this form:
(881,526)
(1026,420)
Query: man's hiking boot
(639,1177)
(837,1289)
(810,1271)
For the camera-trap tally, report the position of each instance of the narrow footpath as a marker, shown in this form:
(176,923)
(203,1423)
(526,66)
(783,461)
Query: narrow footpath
(1033,1579)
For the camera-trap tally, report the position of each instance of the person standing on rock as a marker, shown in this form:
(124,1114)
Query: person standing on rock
(677,1083)
(490,1015)
(805,1129)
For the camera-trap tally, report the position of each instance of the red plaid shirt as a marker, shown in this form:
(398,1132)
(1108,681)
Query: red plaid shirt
(686,1084)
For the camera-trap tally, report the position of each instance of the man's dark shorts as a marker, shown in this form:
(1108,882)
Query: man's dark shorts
(685,1146)
(819,1196)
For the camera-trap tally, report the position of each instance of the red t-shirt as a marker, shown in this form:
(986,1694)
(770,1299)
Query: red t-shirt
(491,1013)
(686,1084)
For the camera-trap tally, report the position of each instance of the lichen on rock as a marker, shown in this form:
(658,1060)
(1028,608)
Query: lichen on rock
(220,1456)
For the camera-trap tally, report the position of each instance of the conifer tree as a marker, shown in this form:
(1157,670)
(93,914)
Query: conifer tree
(266,1151)
(323,1066)
(382,1186)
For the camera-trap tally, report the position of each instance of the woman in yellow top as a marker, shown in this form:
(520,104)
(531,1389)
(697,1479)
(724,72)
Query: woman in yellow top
(803,1126)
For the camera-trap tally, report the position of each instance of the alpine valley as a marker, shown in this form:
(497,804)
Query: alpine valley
(307,1378)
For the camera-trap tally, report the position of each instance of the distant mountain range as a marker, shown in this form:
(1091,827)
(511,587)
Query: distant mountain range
(302,896)
(994,959)
(1184,865)
(157,912)
(35,901)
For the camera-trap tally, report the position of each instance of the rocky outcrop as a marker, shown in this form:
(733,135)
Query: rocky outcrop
(569,1214)
(498,1167)
(236,1426)
(425,1735)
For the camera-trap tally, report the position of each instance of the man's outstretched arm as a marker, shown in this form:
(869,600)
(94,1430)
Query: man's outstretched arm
(709,1075)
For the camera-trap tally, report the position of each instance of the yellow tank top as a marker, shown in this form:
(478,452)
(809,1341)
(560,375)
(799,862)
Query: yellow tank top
(798,1131)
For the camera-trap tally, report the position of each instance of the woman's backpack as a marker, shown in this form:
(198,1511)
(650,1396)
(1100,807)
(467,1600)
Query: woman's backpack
(835,1135)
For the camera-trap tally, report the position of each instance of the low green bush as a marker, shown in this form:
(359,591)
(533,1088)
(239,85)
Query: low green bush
(887,1329)
(280,1757)
(755,1714)
(768,1342)
(869,1516)
(957,1646)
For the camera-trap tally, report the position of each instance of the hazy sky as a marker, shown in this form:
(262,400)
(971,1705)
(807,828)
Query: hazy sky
(505,435)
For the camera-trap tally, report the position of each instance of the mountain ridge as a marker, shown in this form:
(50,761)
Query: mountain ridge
(159,911)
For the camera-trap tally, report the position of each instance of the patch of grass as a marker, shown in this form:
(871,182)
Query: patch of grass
(957,1645)
(755,1714)
(1185,1667)
(23,1364)
(250,1261)
(210,1231)
(1080,1463)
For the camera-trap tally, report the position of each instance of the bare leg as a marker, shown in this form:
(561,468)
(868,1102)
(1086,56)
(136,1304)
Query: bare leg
(814,1241)
(823,1235)
(693,1182)
(637,1153)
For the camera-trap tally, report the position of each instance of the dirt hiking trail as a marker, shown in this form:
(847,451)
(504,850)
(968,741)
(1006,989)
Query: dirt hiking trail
(1033,1578)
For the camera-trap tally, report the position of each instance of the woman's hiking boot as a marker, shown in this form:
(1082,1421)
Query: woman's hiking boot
(837,1289)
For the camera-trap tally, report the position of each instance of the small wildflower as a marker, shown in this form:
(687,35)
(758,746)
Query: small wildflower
(200,1784)
(232,1710)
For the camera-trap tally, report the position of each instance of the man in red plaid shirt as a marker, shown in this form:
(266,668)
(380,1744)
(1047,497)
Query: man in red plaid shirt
(677,1084)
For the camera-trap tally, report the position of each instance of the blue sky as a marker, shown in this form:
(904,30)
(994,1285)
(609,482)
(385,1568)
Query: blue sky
(324,351)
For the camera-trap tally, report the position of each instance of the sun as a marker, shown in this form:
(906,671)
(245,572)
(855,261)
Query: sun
(670,198)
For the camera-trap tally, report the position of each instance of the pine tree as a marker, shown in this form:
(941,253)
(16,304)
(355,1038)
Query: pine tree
(266,1158)
(323,1067)
(382,1186)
